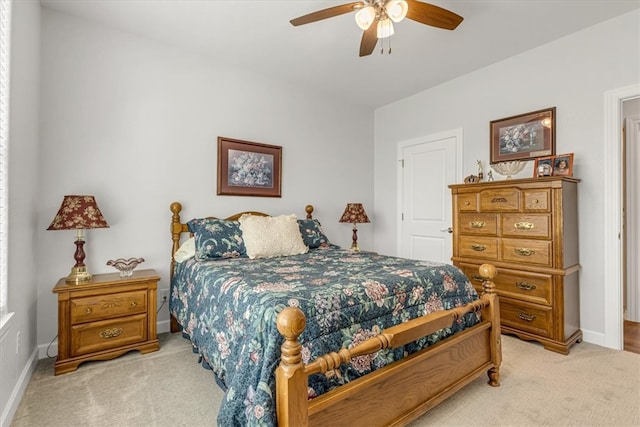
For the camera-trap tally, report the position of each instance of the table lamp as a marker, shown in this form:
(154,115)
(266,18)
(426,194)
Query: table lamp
(354,213)
(78,213)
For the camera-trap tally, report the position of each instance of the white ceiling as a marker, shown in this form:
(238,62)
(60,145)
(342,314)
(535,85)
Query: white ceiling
(323,55)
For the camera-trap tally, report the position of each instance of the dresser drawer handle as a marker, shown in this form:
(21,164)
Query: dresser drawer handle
(477,224)
(110,333)
(526,316)
(524,225)
(133,303)
(499,200)
(525,286)
(467,203)
(477,278)
(478,248)
(524,251)
(88,310)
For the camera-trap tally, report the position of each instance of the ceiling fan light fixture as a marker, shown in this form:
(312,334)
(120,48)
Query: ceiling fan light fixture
(365,17)
(385,28)
(396,10)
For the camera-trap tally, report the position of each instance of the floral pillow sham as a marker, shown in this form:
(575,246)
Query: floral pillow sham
(217,238)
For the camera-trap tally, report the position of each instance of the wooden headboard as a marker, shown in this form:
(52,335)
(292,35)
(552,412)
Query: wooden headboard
(178,227)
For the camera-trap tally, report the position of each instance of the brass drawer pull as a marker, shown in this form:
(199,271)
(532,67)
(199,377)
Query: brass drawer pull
(478,248)
(524,251)
(525,286)
(477,224)
(499,200)
(526,316)
(110,333)
(477,278)
(88,310)
(133,303)
(467,203)
(524,225)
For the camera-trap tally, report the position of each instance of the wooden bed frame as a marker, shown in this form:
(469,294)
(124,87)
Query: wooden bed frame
(398,393)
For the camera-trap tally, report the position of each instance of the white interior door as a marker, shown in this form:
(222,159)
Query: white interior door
(427,167)
(633,218)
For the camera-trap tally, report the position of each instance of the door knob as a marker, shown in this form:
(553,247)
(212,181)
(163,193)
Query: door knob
(447,230)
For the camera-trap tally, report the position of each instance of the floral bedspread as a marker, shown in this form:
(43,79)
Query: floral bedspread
(228,308)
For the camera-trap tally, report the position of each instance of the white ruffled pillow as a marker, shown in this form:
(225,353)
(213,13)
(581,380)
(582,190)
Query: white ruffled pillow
(186,250)
(271,236)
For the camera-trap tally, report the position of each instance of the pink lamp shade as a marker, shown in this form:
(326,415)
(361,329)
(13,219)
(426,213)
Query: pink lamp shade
(354,213)
(78,213)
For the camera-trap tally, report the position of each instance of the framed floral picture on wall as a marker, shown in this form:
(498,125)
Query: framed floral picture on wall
(523,137)
(249,168)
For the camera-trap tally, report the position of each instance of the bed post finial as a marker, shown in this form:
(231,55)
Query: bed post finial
(309,210)
(291,379)
(488,273)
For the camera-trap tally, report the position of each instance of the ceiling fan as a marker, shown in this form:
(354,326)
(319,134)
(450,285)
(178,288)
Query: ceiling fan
(376,18)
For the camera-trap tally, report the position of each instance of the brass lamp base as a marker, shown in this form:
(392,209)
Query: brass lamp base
(78,275)
(354,247)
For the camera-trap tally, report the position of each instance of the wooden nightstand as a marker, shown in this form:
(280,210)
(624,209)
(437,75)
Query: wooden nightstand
(105,318)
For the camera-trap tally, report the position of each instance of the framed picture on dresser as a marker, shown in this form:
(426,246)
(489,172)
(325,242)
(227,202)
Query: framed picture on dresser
(563,165)
(523,137)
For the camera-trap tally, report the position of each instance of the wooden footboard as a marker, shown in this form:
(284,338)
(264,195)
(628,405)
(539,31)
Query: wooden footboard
(402,391)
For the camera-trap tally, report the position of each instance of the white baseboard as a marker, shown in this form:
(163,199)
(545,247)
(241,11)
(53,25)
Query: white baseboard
(163,326)
(18,390)
(594,337)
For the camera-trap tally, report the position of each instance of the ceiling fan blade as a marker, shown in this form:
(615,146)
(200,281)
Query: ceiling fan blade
(435,16)
(369,39)
(326,13)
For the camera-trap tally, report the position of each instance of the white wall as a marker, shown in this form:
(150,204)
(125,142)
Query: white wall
(571,74)
(18,356)
(135,123)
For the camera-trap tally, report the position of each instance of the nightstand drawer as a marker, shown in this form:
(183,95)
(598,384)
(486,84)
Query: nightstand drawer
(527,251)
(526,317)
(107,334)
(99,307)
(480,224)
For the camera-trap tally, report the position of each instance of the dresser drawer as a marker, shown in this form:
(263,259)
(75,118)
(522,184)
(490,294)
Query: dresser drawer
(522,225)
(481,224)
(99,307)
(525,286)
(467,202)
(538,200)
(107,334)
(536,252)
(478,247)
(500,200)
(526,317)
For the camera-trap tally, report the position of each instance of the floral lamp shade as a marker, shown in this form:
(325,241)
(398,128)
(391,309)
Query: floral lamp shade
(354,213)
(78,213)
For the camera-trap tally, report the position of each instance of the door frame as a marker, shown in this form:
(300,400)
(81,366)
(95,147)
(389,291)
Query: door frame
(427,139)
(613,312)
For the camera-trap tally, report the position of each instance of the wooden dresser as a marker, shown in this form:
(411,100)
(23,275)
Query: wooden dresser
(105,318)
(527,228)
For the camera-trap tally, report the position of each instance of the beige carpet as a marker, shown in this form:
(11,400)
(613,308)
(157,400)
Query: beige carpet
(591,386)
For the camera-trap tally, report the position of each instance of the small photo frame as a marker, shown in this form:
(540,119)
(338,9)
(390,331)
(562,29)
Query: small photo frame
(543,166)
(563,165)
(249,168)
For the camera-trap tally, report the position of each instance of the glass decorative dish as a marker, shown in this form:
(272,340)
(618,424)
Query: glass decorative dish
(125,266)
(508,168)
